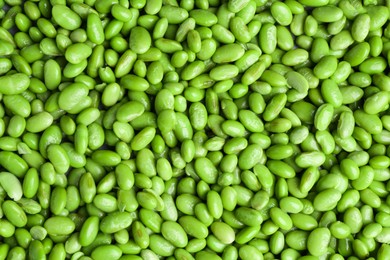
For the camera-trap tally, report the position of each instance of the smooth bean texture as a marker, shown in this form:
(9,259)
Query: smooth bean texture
(194,129)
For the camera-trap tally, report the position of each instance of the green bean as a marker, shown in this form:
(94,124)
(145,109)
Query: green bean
(194,129)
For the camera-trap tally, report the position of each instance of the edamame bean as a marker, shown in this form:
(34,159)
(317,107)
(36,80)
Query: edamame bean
(188,223)
(14,84)
(66,17)
(59,225)
(318,241)
(106,251)
(174,233)
(267,38)
(280,218)
(177,119)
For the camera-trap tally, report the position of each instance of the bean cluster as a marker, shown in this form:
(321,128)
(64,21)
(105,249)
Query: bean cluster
(194,129)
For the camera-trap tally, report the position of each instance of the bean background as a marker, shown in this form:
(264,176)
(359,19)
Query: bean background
(194,129)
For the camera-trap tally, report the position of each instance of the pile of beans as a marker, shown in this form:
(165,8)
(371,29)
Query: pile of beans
(194,129)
